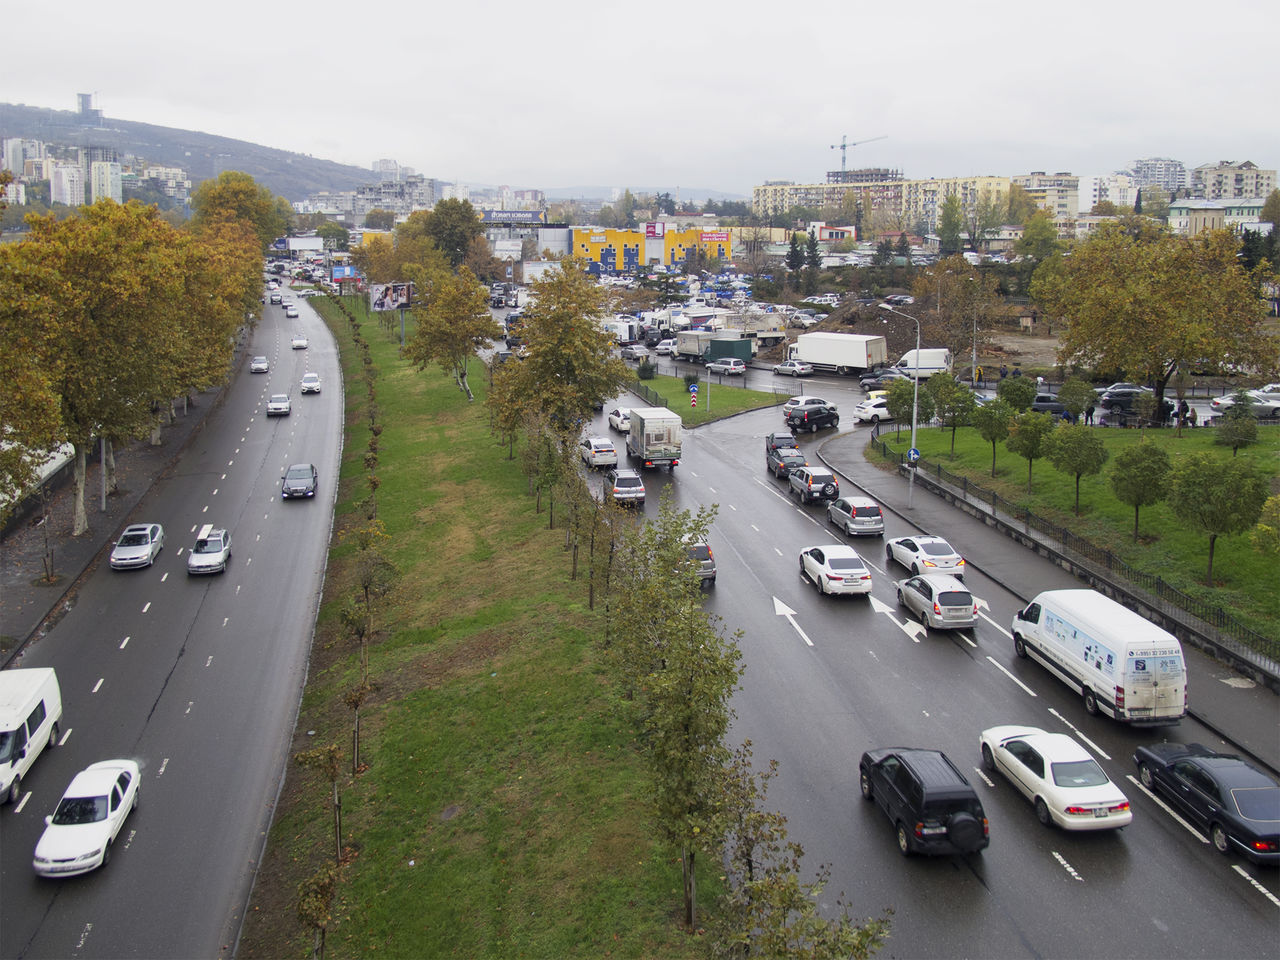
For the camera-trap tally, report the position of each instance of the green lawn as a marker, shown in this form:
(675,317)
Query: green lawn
(715,402)
(1169,546)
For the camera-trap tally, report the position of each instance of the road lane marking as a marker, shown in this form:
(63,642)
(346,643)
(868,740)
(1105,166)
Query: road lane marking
(23,802)
(709,487)
(777,551)
(755,528)
(163,763)
(209,662)
(733,508)
(1259,887)
(782,610)
(98,686)
(1067,867)
(1096,749)
(231,463)
(223,477)
(985,779)
(84,936)
(206,509)
(190,704)
(912,629)
(65,736)
(1167,809)
(147,607)
(226,620)
(124,643)
(164,578)
(1001,668)
(215,491)
(993,623)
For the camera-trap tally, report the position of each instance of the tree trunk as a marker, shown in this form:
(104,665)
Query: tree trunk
(109,465)
(993,459)
(337,825)
(1077,494)
(1213,539)
(1029,462)
(80,523)
(1135,523)
(690,887)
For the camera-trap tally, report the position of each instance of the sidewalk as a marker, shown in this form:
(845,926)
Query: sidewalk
(1240,711)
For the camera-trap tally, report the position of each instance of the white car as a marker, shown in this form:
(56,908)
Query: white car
(78,835)
(299,342)
(291,312)
(925,555)
(259,365)
(800,401)
(620,419)
(278,405)
(796,368)
(598,452)
(835,568)
(665,348)
(310,383)
(727,365)
(873,410)
(138,546)
(212,551)
(1060,778)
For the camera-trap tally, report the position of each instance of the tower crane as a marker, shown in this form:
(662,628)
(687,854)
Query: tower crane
(843,147)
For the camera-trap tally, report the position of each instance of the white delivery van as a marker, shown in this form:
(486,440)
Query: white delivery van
(1122,664)
(30,710)
(924,363)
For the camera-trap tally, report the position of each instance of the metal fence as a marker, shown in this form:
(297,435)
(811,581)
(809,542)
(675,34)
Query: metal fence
(1215,623)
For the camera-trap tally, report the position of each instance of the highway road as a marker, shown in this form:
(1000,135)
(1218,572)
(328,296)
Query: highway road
(198,679)
(827,678)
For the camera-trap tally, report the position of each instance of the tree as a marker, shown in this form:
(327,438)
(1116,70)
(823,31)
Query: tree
(1139,477)
(1265,537)
(950,225)
(1039,240)
(1021,206)
(984,219)
(1145,302)
(883,256)
(335,235)
(903,247)
(1220,497)
(1077,450)
(1155,203)
(379,219)
(236,196)
(992,420)
(953,401)
(1235,429)
(1077,395)
(451,226)
(452,326)
(954,300)
(1104,208)
(1027,434)
(1018,392)
(795,256)
(902,396)
(1270,212)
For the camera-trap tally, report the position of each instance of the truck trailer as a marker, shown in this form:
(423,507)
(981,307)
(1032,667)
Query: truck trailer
(848,354)
(654,437)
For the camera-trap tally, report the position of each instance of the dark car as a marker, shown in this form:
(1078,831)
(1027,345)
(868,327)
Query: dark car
(931,805)
(1048,403)
(813,483)
(775,440)
(1235,802)
(880,381)
(1120,400)
(811,416)
(298,481)
(782,460)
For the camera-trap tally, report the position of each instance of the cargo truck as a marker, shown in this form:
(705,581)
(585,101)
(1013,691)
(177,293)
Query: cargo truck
(654,437)
(692,344)
(848,354)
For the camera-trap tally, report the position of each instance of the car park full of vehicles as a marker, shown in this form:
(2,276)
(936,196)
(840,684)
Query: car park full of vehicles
(780,461)
(625,485)
(727,365)
(931,805)
(794,368)
(1066,786)
(598,452)
(310,383)
(925,555)
(78,836)
(654,436)
(939,600)
(212,551)
(1224,795)
(813,483)
(259,365)
(835,568)
(1122,664)
(811,416)
(872,411)
(138,546)
(299,481)
(278,405)
(857,516)
(846,354)
(30,718)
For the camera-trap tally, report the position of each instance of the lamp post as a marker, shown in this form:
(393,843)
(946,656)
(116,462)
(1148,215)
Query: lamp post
(973,369)
(915,399)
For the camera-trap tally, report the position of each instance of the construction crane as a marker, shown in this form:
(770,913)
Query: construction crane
(843,147)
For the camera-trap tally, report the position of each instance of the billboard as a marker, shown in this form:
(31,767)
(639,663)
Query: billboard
(655,229)
(508,249)
(390,296)
(513,216)
(343,272)
(719,236)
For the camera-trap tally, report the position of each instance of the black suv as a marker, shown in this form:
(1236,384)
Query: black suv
(931,805)
(811,416)
(780,461)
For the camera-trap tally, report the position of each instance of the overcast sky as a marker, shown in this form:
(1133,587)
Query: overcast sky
(676,94)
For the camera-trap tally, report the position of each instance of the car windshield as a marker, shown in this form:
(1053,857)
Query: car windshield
(133,540)
(6,745)
(211,545)
(845,563)
(74,810)
(1078,773)
(279,398)
(1254,803)
(937,549)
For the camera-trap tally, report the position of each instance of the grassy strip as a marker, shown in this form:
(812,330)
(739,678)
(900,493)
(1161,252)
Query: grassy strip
(715,402)
(501,812)
(1168,546)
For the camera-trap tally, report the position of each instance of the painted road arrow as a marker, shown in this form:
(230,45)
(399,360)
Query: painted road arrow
(912,629)
(782,610)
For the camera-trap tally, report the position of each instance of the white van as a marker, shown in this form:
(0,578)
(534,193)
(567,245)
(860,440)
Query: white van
(30,709)
(924,363)
(1122,664)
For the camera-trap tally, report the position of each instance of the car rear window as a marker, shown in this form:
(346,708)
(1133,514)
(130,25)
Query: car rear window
(866,511)
(1078,773)
(846,563)
(700,551)
(937,549)
(954,598)
(627,482)
(1258,803)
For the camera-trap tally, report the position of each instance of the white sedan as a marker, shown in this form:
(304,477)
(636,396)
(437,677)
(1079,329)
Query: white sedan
(872,411)
(620,419)
(278,405)
(796,368)
(311,383)
(835,568)
(1063,782)
(598,452)
(299,342)
(800,401)
(925,555)
(78,836)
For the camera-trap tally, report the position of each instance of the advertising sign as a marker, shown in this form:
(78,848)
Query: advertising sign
(507,249)
(343,272)
(718,236)
(655,229)
(390,296)
(513,216)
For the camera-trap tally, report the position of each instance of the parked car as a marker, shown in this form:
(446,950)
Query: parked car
(1064,783)
(780,461)
(620,419)
(299,481)
(727,365)
(939,601)
(310,383)
(138,546)
(1048,403)
(872,411)
(211,552)
(857,516)
(625,485)
(813,483)
(1264,405)
(811,416)
(299,342)
(881,381)
(278,405)
(835,568)
(925,555)
(633,351)
(931,805)
(1125,400)
(259,365)
(598,452)
(799,401)
(79,835)
(1225,795)
(795,368)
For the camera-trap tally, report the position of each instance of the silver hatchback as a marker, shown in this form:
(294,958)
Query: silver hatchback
(857,516)
(939,600)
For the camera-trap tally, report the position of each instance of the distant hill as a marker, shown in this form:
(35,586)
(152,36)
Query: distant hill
(291,175)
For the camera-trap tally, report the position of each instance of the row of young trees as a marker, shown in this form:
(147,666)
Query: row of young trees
(109,315)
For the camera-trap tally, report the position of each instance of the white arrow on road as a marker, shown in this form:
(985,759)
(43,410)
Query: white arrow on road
(912,629)
(782,610)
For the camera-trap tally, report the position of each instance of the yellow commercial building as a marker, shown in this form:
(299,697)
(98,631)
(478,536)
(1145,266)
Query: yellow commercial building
(629,251)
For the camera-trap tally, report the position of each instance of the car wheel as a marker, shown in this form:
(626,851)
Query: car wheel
(964,831)
(988,761)
(1090,702)
(55,732)
(1019,647)
(901,603)
(1116,411)
(915,569)
(835,422)
(1219,838)
(1145,777)
(813,428)
(15,790)
(875,418)
(864,782)
(106,853)
(904,840)
(1042,813)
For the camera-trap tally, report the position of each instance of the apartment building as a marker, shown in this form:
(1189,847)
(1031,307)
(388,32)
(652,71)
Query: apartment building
(1168,175)
(105,181)
(1227,180)
(66,184)
(1059,193)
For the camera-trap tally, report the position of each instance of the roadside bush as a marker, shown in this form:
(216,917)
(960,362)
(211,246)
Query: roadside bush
(646,370)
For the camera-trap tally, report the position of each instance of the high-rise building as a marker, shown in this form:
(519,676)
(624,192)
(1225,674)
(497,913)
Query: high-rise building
(67,185)
(13,155)
(1059,193)
(1168,175)
(106,183)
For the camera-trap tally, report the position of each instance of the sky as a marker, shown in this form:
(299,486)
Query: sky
(666,94)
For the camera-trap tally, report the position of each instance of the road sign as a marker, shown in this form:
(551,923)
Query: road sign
(913,454)
(693,399)
(693,388)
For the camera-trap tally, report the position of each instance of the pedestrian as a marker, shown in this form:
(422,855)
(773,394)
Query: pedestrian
(1004,371)
(1088,415)
(1039,383)
(1191,417)
(1182,413)
(1017,371)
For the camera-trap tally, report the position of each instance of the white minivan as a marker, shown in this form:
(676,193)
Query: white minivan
(924,363)
(30,711)
(1121,663)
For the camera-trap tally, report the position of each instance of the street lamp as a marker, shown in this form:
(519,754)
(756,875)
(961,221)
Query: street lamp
(915,398)
(973,369)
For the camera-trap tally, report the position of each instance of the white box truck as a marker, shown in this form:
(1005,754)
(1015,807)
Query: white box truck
(654,437)
(1122,664)
(924,363)
(848,354)
(30,714)
(692,344)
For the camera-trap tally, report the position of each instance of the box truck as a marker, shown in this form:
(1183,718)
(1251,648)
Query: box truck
(847,354)
(30,714)
(654,436)
(1122,664)
(924,363)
